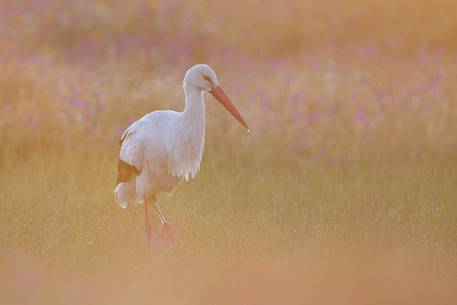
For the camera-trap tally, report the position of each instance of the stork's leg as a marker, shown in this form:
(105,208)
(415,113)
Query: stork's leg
(159,213)
(166,234)
(147,225)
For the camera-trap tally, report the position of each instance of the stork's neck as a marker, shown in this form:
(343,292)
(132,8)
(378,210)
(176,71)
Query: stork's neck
(190,138)
(194,111)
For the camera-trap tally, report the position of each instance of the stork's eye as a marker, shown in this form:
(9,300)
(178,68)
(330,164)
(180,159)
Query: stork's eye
(208,79)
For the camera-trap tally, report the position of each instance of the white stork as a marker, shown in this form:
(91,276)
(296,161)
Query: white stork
(164,147)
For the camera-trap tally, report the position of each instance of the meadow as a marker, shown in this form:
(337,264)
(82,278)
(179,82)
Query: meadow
(343,193)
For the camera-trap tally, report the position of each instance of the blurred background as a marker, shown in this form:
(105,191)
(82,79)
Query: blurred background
(343,192)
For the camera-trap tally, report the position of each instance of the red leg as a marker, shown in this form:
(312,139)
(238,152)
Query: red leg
(166,233)
(147,225)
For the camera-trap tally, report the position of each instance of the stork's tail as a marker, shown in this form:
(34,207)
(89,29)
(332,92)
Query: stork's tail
(124,193)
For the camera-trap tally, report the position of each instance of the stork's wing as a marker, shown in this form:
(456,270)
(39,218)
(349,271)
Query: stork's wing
(131,155)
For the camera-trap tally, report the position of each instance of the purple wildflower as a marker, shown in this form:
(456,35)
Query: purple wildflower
(266,102)
(8,107)
(361,118)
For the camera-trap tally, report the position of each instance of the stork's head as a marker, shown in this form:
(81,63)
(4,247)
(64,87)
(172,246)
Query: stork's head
(204,78)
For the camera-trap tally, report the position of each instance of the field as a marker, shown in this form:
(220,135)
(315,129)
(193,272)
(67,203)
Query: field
(343,193)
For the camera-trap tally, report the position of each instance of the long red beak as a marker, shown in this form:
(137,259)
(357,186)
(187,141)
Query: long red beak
(219,94)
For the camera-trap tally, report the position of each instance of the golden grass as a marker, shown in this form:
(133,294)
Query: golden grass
(344,193)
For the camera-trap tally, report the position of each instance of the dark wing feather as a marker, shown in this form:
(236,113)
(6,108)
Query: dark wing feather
(125,171)
(124,135)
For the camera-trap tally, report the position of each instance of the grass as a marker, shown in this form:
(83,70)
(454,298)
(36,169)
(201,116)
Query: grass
(343,193)
(248,227)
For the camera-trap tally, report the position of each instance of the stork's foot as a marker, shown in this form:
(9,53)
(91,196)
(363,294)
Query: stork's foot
(166,237)
(148,232)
